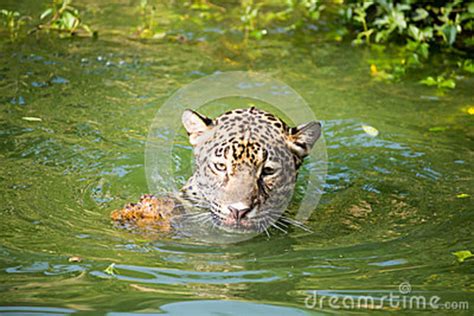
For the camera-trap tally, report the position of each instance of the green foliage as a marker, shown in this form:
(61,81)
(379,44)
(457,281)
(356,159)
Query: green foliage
(437,129)
(419,26)
(13,21)
(420,21)
(414,29)
(249,16)
(360,15)
(466,65)
(148,26)
(301,12)
(62,17)
(111,270)
(440,82)
(392,19)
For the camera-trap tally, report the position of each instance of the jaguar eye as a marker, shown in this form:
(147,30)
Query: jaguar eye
(267,171)
(220,167)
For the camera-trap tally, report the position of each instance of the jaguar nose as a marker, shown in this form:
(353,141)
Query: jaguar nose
(238,214)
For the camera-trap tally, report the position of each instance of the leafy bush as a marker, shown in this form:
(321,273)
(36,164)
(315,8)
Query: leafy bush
(64,18)
(13,21)
(419,26)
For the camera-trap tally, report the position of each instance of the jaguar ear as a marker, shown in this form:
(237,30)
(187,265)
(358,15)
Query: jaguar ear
(302,138)
(196,125)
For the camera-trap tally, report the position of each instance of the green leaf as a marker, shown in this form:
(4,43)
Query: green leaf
(463,255)
(399,20)
(429,81)
(424,50)
(86,28)
(462,195)
(159,35)
(450,32)
(470,7)
(69,20)
(437,129)
(468,66)
(46,13)
(380,36)
(403,7)
(448,83)
(370,130)
(31,119)
(420,14)
(414,32)
(110,270)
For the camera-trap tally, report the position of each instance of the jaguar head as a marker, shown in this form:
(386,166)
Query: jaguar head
(246,165)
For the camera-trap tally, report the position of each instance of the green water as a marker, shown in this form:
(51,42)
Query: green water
(390,212)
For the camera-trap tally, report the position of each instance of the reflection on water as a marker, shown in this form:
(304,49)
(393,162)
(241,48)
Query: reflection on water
(33,310)
(168,276)
(391,211)
(225,308)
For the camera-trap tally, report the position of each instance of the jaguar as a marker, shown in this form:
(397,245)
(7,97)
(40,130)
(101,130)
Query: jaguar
(246,166)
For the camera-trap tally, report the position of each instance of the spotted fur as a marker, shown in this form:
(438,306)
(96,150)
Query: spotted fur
(246,165)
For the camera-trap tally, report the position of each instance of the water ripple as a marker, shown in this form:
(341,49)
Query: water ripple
(172,276)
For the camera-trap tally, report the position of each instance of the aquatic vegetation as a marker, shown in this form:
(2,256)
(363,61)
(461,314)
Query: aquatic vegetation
(440,82)
(111,270)
(370,130)
(13,21)
(437,129)
(62,17)
(417,27)
(249,20)
(463,255)
(31,119)
(466,65)
(418,20)
(301,12)
(413,31)
(148,26)
(360,15)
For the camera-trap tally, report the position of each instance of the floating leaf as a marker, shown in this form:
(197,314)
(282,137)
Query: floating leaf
(437,129)
(111,269)
(369,130)
(463,255)
(462,195)
(159,35)
(429,81)
(31,119)
(440,82)
(448,83)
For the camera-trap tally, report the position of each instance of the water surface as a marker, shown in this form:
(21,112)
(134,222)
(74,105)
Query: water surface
(390,213)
